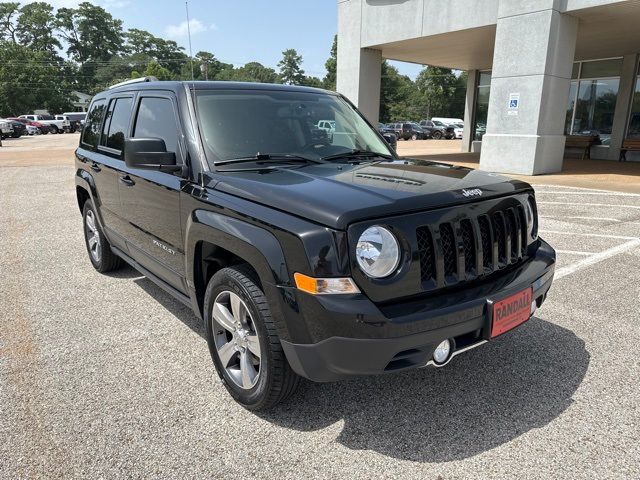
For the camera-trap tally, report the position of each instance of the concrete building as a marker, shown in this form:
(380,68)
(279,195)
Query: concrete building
(538,69)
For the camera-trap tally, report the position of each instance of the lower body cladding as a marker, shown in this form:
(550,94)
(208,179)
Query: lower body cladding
(418,333)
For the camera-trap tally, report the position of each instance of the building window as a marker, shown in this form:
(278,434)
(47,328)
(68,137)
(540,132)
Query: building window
(634,118)
(592,98)
(482,105)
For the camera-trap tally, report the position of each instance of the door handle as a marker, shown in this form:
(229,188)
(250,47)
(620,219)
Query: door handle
(126,179)
(95,167)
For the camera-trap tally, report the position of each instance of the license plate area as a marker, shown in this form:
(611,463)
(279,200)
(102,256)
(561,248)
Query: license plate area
(509,312)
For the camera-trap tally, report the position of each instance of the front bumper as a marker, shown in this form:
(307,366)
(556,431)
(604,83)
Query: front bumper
(362,339)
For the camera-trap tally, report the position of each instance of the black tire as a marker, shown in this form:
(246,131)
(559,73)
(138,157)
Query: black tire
(54,129)
(107,261)
(437,135)
(276,380)
(414,136)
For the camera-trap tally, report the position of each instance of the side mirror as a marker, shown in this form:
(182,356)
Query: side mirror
(149,154)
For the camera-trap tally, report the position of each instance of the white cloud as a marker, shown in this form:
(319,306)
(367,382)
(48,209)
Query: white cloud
(181,30)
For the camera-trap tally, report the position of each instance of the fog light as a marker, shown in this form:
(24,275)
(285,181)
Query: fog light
(442,352)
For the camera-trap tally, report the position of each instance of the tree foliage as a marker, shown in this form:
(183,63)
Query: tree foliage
(291,72)
(45,53)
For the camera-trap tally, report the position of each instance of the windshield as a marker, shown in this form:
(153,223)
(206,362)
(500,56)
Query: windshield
(242,123)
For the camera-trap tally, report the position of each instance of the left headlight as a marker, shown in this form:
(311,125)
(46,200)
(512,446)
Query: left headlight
(378,252)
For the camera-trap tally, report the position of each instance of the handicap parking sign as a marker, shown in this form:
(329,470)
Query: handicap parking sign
(514,104)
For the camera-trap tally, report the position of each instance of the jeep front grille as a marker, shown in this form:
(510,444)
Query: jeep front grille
(468,248)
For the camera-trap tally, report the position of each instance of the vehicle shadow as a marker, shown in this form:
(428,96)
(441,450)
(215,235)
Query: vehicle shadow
(176,308)
(481,400)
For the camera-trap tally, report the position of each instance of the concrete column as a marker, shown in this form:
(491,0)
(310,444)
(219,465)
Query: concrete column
(623,103)
(534,51)
(469,109)
(358,69)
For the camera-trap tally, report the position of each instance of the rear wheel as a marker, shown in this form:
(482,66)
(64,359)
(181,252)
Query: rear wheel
(54,129)
(437,135)
(243,342)
(98,248)
(414,137)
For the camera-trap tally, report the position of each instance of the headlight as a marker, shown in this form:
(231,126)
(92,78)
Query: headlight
(532,221)
(378,252)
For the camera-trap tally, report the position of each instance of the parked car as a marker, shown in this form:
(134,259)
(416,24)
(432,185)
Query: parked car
(77,117)
(389,135)
(42,128)
(55,125)
(437,131)
(449,130)
(19,128)
(6,129)
(409,130)
(458,130)
(68,125)
(303,259)
(448,121)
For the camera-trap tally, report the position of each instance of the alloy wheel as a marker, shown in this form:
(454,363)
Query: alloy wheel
(236,339)
(93,237)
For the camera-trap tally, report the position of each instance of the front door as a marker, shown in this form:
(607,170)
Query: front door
(150,200)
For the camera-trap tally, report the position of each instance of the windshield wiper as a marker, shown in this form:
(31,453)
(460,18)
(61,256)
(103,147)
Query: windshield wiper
(356,153)
(268,157)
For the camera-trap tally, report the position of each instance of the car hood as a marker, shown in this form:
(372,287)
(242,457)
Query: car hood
(337,195)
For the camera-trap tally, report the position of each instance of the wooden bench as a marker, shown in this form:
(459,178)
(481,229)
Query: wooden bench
(632,144)
(581,141)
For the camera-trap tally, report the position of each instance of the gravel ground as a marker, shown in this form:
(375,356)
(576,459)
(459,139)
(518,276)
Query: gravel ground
(107,376)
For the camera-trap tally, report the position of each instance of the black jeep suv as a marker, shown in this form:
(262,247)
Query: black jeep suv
(305,255)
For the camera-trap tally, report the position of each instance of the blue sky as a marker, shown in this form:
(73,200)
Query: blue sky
(240,31)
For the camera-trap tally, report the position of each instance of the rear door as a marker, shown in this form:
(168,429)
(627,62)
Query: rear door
(151,199)
(103,169)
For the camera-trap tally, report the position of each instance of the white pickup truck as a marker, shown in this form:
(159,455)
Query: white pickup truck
(56,125)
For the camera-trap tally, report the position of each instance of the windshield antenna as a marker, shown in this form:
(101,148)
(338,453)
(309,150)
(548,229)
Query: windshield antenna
(186,6)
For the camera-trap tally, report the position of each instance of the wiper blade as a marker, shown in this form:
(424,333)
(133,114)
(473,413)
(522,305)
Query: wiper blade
(356,153)
(267,157)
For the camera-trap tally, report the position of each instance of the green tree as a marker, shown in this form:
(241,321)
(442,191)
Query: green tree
(154,69)
(36,27)
(9,12)
(93,38)
(251,72)
(32,80)
(142,44)
(209,66)
(397,96)
(437,87)
(331,65)
(291,72)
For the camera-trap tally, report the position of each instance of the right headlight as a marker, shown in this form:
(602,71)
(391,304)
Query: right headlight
(532,221)
(378,252)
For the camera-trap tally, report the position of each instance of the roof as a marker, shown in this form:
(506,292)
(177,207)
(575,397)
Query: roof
(206,85)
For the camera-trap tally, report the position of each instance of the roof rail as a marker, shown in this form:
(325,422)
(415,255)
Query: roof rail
(134,80)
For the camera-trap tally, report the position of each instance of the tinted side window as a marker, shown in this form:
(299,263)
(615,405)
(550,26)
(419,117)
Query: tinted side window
(118,123)
(91,132)
(156,119)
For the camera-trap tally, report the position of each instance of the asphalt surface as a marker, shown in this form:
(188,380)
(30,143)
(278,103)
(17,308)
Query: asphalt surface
(108,376)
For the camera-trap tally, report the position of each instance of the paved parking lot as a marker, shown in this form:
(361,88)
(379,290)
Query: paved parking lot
(107,376)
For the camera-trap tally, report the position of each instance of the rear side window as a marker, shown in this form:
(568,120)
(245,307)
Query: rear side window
(91,132)
(156,119)
(116,123)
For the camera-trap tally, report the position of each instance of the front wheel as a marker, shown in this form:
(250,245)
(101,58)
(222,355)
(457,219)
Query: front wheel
(414,137)
(243,341)
(437,135)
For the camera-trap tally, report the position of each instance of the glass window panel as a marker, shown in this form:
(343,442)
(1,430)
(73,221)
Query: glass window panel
(601,68)
(482,109)
(91,131)
(634,119)
(570,106)
(157,120)
(595,108)
(485,79)
(119,123)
